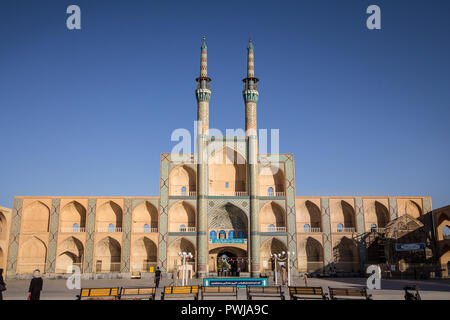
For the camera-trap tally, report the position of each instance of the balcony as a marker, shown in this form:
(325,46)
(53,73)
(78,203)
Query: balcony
(345,230)
(145,230)
(109,229)
(72,229)
(229,194)
(183,229)
(183,193)
(272,228)
(311,230)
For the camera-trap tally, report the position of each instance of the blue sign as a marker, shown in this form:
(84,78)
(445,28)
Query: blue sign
(238,282)
(227,240)
(409,246)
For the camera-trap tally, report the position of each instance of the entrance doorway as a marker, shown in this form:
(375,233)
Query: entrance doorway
(228,261)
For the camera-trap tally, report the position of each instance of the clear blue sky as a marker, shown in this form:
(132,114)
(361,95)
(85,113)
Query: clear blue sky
(89,112)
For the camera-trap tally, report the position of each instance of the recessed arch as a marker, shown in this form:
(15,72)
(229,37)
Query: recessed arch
(181,213)
(109,213)
(272,214)
(71,214)
(107,255)
(228,217)
(70,253)
(182,179)
(310,255)
(143,254)
(3,227)
(382,214)
(227,172)
(315,215)
(35,217)
(349,215)
(271,180)
(270,246)
(179,245)
(346,256)
(32,255)
(145,214)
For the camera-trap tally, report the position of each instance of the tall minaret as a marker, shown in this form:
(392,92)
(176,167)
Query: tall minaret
(251,94)
(203,94)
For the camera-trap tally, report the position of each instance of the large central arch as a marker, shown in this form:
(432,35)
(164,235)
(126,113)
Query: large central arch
(228,217)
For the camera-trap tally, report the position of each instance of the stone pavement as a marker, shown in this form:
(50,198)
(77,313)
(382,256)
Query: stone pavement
(390,289)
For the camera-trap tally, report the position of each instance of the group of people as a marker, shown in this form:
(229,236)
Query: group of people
(34,290)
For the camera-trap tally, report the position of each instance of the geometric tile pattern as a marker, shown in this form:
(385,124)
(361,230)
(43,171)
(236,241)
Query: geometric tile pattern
(90,228)
(163,212)
(14,236)
(359,210)
(126,236)
(393,208)
(290,209)
(53,236)
(326,224)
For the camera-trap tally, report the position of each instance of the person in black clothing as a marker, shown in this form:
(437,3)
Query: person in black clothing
(2,284)
(157,276)
(35,286)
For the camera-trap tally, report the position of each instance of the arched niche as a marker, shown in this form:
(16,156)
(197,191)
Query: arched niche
(72,214)
(228,217)
(315,214)
(310,255)
(32,256)
(270,246)
(346,255)
(382,214)
(107,214)
(145,214)
(143,254)
(182,181)
(35,218)
(227,173)
(272,214)
(271,181)
(181,214)
(70,252)
(107,255)
(179,245)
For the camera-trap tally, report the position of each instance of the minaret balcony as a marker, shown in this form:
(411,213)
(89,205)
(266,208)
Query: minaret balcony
(203,94)
(250,95)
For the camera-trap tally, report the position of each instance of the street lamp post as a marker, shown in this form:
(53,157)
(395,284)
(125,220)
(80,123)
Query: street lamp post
(275,257)
(288,264)
(184,255)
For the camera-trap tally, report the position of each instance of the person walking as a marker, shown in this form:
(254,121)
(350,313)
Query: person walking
(283,275)
(35,286)
(157,276)
(305,276)
(2,284)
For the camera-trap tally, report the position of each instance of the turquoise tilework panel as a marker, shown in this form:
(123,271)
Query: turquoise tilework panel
(126,235)
(53,236)
(393,211)
(90,234)
(163,212)
(14,236)
(326,224)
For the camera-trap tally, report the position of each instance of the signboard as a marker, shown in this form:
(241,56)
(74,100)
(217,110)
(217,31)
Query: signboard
(227,240)
(409,246)
(239,282)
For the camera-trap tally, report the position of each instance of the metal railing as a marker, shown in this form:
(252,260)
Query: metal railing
(112,267)
(64,270)
(186,229)
(275,194)
(184,194)
(269,228)
(108,229)
(145,230)
(311,230)
(72,229)
(229,193)
(346,230)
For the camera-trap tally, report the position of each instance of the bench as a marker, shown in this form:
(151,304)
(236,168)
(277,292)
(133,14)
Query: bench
(360,293)
(180,292)
(274,291)
(307,293)
(219,291)
(141,293)
(87,293)
(412,295)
